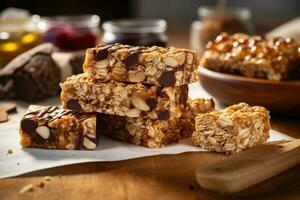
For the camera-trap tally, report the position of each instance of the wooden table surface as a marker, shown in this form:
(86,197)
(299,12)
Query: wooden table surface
(157,177)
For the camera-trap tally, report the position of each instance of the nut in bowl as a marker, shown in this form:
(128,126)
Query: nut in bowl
(241,73)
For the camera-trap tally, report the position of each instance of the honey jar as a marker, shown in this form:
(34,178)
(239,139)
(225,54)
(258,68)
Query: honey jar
(17,36)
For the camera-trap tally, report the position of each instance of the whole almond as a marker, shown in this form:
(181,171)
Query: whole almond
(43,131)
(88,144)
(101,64)
(139,103)
(134,112)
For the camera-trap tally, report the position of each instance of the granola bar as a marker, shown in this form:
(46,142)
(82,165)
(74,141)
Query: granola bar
(152,65)
(151,133)
(86,94)
(154,133)
(193,108)
(252,56)
(233,129)
(53,127)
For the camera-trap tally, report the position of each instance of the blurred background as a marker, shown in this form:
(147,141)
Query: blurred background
(73,26)
(267,14)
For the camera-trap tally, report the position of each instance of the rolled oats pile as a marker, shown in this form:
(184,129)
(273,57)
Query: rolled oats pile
(233,129)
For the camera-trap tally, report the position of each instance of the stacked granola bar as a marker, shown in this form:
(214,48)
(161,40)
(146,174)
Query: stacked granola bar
(140,93)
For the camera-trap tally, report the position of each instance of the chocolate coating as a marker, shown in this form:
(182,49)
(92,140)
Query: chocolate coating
(37,138)
(28,125)
(184,94)
(101,54)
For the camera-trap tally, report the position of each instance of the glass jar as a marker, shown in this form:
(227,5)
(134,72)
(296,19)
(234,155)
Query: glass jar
(17,35)
(70,33)
(215,20)
(136,32)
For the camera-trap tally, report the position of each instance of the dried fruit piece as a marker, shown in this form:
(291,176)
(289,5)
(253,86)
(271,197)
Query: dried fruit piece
(164,115)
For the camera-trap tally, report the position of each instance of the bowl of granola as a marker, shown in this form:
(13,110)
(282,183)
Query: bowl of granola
(253,69)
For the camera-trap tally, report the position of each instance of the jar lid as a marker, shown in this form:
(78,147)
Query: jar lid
(135,26)
(20,24)
(215,12)
(73,20)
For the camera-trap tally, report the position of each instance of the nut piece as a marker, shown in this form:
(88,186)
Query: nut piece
(133,112)
(169,61)
(26,188)
(101,64)
(139,103)
(43,131)
(88,144)
(137,77)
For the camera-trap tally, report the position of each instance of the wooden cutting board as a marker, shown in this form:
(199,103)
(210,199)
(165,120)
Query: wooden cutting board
(250,167)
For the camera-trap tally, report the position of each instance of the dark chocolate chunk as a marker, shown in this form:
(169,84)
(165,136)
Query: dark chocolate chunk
(164,115)
(143,114)
(73,104)
(184,90)
(37,138)
(53,135)
(167,78)
(28,125)
(152,102)
(101,54)
(160,93)
(79,141)
(132,59)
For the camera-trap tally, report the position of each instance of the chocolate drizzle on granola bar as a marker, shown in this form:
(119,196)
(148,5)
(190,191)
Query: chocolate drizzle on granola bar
(50,114)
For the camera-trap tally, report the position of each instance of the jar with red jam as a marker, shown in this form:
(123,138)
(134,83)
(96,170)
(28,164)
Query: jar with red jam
(135,32)
(70,33)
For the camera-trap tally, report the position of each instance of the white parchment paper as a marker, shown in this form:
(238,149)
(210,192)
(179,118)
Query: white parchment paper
(27,160)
